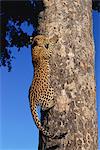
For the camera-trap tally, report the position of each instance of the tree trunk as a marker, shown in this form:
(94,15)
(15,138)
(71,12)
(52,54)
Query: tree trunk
(68,25)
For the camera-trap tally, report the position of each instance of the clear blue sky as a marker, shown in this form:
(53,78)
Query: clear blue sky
(96,30)
(17,129)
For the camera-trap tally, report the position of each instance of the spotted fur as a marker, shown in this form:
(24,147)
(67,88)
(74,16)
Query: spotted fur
(41,93)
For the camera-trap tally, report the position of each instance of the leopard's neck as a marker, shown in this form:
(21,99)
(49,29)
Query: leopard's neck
(42,65)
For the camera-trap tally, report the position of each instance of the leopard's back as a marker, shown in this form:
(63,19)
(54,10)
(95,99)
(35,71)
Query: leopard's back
(42,92)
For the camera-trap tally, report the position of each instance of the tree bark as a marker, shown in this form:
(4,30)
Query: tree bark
(68,25)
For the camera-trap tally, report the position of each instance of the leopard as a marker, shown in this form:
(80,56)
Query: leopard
(41,93)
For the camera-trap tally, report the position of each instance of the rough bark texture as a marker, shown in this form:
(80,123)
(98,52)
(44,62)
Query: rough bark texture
(67,24)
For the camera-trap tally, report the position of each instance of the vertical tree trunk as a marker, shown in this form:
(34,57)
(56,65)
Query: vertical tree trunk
(67,24)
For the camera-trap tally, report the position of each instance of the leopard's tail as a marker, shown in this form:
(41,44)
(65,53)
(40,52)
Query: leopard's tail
(37,121)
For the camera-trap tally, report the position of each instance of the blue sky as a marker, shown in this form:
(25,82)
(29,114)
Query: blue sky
(17,129)
(96,30)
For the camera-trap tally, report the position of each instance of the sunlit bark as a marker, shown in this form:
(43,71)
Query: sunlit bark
(68,25)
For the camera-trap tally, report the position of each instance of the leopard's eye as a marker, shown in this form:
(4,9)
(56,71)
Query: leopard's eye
(47,46)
